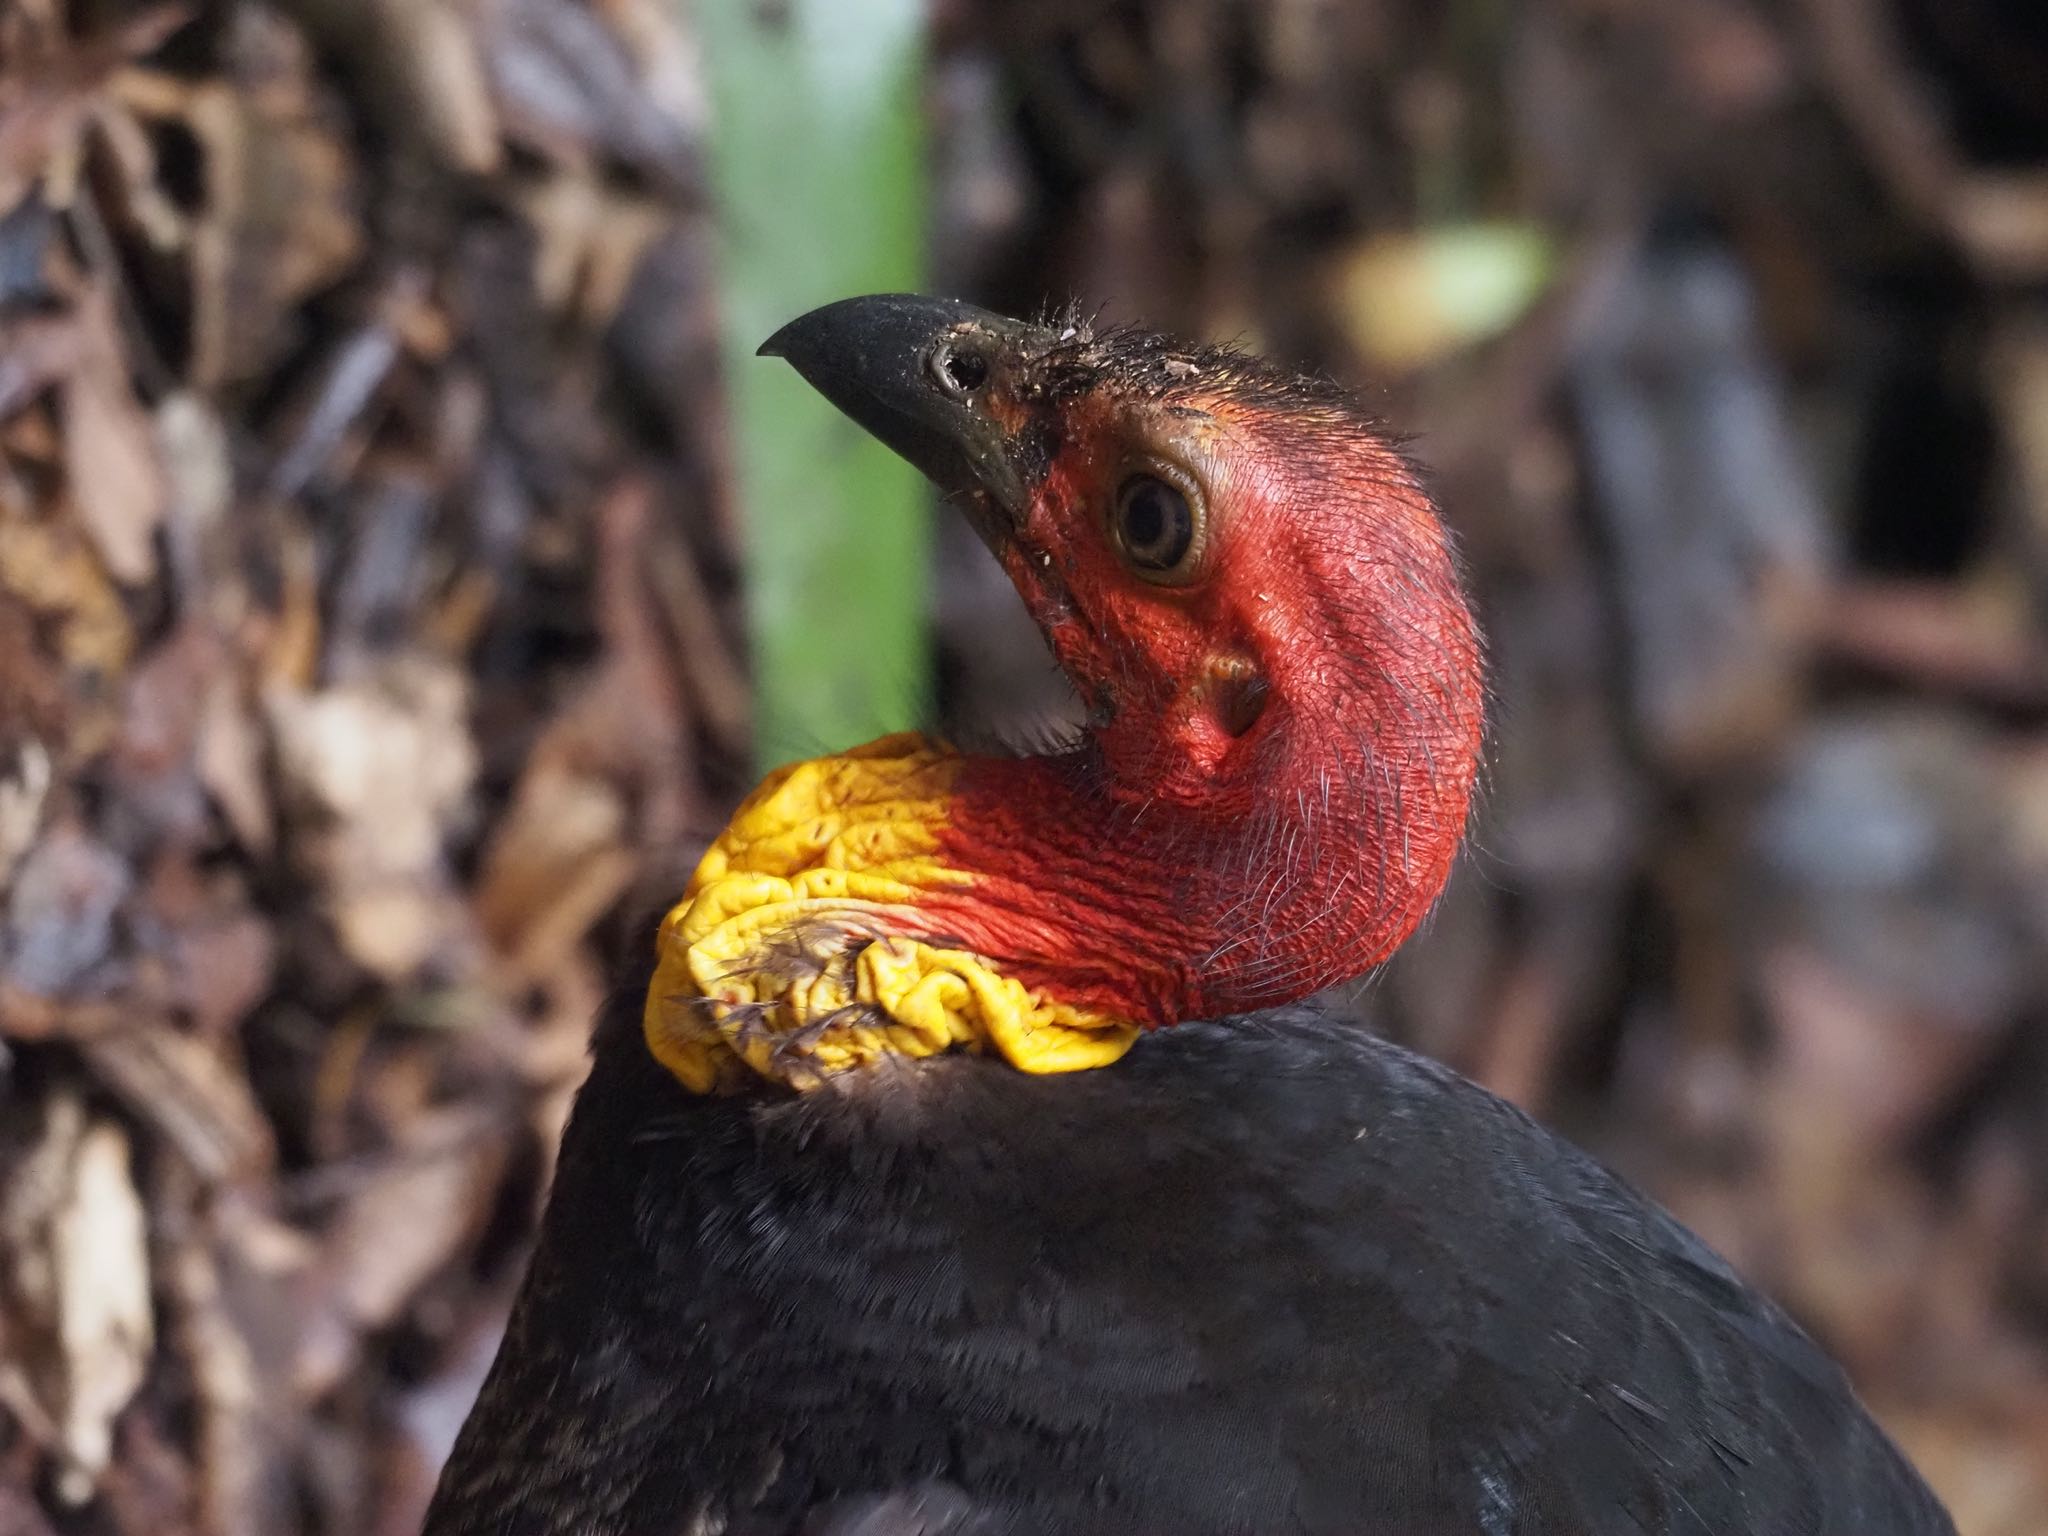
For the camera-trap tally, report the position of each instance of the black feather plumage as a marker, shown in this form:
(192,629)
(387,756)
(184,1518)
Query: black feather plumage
(1266,1277)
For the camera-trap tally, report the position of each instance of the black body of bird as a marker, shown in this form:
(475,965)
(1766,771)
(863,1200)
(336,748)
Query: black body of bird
(1265,1276)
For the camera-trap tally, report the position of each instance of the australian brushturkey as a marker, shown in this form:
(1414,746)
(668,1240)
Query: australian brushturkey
(890,1208)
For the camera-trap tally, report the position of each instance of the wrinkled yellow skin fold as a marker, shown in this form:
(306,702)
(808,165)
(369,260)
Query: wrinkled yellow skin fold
(790,956)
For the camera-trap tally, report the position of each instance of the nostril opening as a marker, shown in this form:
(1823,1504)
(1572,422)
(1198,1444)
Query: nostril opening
(961,369)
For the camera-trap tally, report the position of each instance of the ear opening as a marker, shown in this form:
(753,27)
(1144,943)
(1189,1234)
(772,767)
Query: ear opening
(1238,691)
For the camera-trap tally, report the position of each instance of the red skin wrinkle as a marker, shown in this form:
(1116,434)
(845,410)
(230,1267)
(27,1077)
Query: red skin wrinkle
(1166,869)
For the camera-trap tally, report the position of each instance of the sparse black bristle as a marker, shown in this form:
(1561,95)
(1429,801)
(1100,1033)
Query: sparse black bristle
(1090,355)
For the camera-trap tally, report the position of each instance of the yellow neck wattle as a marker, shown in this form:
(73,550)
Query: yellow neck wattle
(800,949)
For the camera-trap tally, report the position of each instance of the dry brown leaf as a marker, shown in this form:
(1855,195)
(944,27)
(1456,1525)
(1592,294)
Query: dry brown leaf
(712,672)
(665,58)
(1977,640)
(281,220)
(1860,1070)
(74,1286)
(415,1214)
(138,198)
(36,351)
(445,79)
(30,1016)
(591,240)
(189,1091)
(560,821)
(2018,376)
(19,1514)
(1989,1469)
(47,566)
(230,765)
(151,765)
(33,701)
(53,90)
(222,970)
(238,1425)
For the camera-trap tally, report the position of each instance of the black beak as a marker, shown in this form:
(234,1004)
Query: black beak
(916,371)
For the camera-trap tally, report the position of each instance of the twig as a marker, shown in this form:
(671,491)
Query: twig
(2000,220)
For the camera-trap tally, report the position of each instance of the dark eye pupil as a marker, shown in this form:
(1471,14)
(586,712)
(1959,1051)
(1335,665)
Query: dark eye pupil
(1154,523)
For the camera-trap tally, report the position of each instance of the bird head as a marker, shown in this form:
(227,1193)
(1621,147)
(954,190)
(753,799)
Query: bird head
(1257,603)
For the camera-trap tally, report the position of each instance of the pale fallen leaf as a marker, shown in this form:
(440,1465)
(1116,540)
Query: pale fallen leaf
(23,785)
(193,444)
(117,482)
(377,773)
(389,760)
(74,1286)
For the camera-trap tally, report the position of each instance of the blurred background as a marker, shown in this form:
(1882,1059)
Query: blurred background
(404,565)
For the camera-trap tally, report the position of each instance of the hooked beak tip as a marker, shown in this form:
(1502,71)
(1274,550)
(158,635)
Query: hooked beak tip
(883,360)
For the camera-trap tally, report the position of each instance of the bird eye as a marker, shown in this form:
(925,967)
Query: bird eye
(1154,525)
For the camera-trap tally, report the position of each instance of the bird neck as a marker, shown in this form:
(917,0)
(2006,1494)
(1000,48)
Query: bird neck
(903,899)
(1304,870)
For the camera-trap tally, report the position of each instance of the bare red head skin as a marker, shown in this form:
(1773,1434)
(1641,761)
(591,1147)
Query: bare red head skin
(1258,604)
